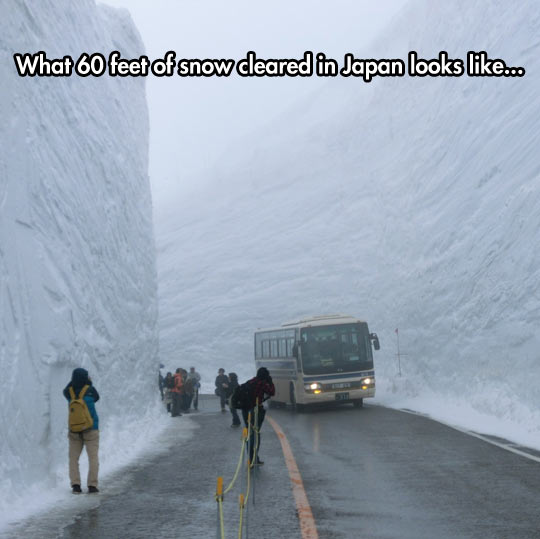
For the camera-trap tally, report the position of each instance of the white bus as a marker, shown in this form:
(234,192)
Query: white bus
(319,359)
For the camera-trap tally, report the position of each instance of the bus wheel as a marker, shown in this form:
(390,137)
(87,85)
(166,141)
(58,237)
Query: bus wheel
(359,403)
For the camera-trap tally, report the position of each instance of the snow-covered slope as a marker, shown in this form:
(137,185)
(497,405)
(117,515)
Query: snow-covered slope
(414,203)
(77,262)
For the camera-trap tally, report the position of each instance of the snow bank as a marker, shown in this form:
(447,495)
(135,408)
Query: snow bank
(414,203)
(77,260)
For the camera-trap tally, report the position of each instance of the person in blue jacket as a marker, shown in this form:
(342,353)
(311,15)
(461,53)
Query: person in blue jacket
(88,438)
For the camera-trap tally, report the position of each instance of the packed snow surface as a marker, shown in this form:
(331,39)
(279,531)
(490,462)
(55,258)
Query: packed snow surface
(77,261)
(411,202)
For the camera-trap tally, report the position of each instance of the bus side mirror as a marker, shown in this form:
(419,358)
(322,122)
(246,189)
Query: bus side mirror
(375,340)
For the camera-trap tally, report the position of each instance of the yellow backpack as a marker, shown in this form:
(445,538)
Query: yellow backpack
(79,415)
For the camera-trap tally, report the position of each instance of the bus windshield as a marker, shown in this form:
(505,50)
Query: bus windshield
(337,348)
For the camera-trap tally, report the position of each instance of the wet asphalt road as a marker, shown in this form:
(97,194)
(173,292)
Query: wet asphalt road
(172,495)
(379,473)
(369,473)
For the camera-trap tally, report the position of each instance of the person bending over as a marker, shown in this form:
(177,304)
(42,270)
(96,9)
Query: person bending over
(262,388)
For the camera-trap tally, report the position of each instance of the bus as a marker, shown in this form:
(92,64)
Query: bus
(321,359)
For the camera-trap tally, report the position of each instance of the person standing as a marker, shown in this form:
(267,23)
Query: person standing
(262,388)
(233,384)
(222,384)
(177,392)
(168,384)
(79,387)
(160,384)
(196,379)
(188,391)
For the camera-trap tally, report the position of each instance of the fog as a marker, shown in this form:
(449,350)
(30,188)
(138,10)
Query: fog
(194,121)
(413,203)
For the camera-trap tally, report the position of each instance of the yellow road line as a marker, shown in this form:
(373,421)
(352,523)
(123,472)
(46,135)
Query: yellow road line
(307,522)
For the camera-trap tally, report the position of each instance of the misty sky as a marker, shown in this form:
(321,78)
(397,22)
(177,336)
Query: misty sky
(194,120)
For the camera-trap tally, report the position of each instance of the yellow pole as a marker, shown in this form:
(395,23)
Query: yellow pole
(249,439)
(219,499)
(219,488)
(241,504)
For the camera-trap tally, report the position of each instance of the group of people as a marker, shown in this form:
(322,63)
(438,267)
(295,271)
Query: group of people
(261,388)
(180,391)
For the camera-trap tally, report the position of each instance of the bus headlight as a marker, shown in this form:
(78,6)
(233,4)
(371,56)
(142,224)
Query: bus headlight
(366,383)
(313,386)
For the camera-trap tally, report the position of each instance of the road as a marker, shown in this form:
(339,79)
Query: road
(368,473)
(380,473)
(171,495)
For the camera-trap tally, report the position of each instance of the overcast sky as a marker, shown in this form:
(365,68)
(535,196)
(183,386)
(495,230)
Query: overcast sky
(194,119)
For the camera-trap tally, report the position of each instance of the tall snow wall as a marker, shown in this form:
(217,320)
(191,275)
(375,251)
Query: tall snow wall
(411,202)
(77,257)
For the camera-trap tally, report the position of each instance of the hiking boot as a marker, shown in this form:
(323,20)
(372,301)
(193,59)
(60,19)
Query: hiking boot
(259,462)
(92,490)
(76,489)
(235,425)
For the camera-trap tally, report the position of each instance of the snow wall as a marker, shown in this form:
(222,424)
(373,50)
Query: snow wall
(411,202)
(77,255)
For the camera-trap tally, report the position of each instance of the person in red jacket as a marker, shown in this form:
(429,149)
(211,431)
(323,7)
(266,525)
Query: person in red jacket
(262,388)
(177,392)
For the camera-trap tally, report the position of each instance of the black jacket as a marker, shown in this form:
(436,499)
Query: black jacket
(233,384)
(220,380)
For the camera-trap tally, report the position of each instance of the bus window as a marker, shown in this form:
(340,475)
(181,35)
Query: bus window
(282,348)
(290,345)
(331,349)
(266,349)
(258,347)
(273,348)
(351,352)
(369,352)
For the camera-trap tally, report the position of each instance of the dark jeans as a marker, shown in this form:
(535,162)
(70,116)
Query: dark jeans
(235,418)
(196,399)
(253,438)
(186,401)
(176,404)
(223,399)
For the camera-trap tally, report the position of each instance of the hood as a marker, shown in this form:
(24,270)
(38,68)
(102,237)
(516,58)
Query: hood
(79,378)
(263,374)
